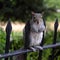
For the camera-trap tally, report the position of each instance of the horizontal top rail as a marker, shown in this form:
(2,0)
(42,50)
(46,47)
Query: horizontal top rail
(51,46)
(22,51)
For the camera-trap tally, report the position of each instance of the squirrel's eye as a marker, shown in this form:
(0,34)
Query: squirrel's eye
(34,17)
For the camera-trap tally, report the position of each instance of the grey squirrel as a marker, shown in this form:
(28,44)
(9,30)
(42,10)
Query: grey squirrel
(33,32)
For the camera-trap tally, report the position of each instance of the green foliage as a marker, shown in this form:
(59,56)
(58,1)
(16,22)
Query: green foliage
(51,3)
(2,40)
(21,9)
(17,42)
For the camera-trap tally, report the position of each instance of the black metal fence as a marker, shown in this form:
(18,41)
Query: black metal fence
(53,56)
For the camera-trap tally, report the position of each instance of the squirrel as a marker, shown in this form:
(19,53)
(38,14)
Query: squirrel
(33,32)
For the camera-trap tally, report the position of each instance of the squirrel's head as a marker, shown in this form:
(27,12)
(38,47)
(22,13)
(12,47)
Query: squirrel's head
(37,22)
(37,17)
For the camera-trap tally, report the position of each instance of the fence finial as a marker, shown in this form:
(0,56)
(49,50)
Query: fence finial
(8,32)
(56,24)
(8,27)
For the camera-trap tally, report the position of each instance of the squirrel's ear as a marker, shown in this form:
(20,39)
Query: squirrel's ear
(32,13)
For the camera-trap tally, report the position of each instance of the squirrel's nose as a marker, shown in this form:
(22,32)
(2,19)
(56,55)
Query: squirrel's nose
(37,22)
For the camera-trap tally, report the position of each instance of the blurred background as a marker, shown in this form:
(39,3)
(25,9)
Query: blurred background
(19,12)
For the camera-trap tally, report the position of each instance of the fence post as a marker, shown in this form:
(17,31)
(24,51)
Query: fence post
(54,40)
(27,41)
(8,32)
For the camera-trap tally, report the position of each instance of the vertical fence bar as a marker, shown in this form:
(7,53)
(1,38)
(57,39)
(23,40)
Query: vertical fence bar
(27,41)
(40,52)
(8,32)
(54,39)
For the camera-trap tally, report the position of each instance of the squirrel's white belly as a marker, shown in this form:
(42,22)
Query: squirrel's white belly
(35,38)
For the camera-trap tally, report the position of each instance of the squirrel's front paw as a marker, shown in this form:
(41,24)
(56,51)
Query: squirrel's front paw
(39,47)
(33,49)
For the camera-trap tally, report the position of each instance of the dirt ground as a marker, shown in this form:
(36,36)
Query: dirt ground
(18,26)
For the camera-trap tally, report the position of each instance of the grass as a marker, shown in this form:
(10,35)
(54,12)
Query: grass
(51,3)
(54,4)
(17,42)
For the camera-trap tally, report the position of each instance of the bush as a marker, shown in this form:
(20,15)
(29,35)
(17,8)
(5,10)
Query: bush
(17,42)
(2,40)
